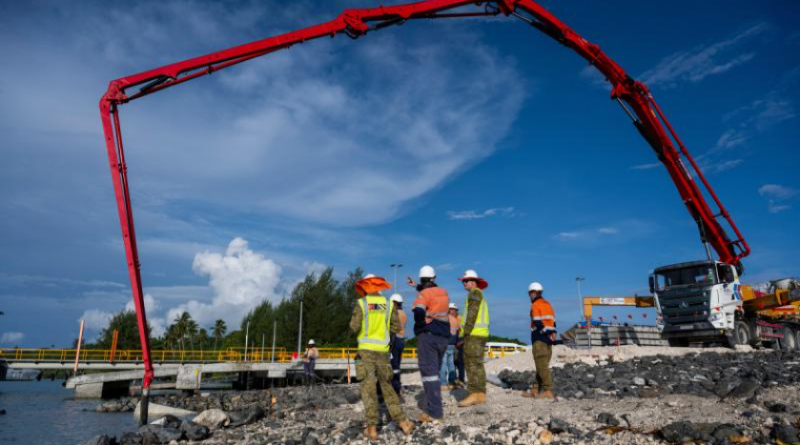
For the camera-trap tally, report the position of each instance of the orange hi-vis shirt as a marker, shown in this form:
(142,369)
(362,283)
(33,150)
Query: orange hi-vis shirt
(435,302)
(542,312)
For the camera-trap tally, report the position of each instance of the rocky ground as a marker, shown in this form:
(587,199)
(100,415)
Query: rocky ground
(614,396)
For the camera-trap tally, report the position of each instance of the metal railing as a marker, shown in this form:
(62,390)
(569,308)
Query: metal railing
(195,356)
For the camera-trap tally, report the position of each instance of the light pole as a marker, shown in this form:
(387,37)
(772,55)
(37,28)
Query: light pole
(580,313)
(580,296)
(394,267)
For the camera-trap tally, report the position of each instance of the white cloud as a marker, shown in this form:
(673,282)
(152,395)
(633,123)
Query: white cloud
(12,338)
(700,62)
(777,196)
(474,214)
(240,279)
(96,320)
(646,166)
(619,230)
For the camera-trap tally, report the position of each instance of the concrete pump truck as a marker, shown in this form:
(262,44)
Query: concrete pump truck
(697,300)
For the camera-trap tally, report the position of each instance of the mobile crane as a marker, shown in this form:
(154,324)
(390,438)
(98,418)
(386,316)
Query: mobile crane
(633,96)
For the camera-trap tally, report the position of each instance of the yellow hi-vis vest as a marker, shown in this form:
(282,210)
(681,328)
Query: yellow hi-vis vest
(377,313)
(481,328)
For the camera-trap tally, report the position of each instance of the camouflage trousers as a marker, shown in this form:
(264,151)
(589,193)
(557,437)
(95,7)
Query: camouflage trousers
(373,368)
(473,362)
(541,357)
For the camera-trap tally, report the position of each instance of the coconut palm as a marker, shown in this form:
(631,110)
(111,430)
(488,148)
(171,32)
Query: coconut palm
(220,328)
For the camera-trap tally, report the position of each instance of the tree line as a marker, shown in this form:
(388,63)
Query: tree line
(327,306)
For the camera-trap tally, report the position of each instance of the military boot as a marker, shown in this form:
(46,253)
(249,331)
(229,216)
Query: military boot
(406,426)
(546,395)
(534,391)
(371,433)
(426,418)
(478,398)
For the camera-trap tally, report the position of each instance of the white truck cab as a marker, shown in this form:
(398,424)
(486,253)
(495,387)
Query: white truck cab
(697,301)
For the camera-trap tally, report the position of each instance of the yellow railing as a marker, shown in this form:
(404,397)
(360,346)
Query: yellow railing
(203,356)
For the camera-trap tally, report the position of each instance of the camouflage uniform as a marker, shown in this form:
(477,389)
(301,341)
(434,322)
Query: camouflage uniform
(474,347)
(372,368)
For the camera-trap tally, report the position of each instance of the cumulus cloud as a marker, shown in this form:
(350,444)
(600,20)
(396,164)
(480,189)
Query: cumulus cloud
(474,214)
(700,62)
(240,279)
(12,338)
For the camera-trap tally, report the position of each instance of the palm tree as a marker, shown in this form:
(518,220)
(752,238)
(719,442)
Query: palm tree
(182,327)
(219,331)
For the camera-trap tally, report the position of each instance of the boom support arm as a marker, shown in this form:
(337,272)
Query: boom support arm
(632,95)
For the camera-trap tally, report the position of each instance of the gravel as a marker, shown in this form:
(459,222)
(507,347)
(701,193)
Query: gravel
(629,396)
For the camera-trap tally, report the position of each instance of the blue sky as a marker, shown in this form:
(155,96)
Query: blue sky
(474,144)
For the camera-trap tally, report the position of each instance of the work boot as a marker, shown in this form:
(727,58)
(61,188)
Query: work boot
(534,391)
(371,433)
(425,418)
(406,426)
(546,395)
(445,388)
(478,398)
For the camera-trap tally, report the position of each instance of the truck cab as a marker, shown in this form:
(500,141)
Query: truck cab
(697,301)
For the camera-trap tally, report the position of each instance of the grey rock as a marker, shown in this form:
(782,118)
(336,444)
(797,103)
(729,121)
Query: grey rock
(194,431)
(101,440)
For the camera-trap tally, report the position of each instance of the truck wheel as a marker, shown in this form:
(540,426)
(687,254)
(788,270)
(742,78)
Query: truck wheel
(797,340)
(741,334)
(678,343)
(789,342)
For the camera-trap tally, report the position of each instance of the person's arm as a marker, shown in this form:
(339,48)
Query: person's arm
(394,323)
(419,319)
(356,319)
(475,298)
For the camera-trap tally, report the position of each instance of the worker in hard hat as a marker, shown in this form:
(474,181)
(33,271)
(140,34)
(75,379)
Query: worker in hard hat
(447,373)
(398,342)
(543,337)
(310,362)
(375,320)
(432,328)
(476,332)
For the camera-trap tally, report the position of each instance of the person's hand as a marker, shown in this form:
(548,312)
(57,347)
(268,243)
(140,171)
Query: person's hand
(553,337)
(411,282)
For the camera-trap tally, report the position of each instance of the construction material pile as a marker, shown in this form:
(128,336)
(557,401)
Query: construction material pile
(714,398)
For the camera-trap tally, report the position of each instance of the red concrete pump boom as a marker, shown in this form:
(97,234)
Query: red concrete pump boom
(633,96)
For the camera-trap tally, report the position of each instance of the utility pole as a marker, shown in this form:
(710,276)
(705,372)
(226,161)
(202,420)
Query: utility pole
(300,331)
(274,333)
(394,267)
(246,339)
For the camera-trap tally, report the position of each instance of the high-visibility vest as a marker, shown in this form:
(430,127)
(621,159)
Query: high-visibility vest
(435,302)
(377,315)
(542,311)
(481,328)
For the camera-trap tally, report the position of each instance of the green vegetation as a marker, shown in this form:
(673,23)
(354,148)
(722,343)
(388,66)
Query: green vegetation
(327,305)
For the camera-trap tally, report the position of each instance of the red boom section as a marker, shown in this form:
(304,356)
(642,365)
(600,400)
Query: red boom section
(632,95)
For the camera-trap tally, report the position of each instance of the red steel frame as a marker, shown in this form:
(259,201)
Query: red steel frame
(632,95)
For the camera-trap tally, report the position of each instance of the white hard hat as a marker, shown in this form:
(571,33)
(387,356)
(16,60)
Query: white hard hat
(453,306)
(535,286)
(470,274)
(311,342)
(427,272)
(369,275)
(397,298)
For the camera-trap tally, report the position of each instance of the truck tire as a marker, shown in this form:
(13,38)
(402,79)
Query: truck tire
(789,341)
(742,335)
(796,333)
(678,343)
